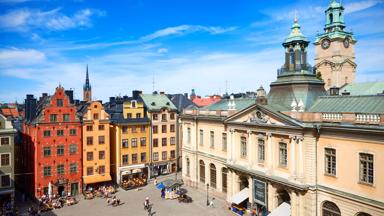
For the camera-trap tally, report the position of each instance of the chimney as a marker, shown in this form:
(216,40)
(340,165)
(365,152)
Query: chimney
(69,93)
(186,95)
(136,94)
(112,99)
(162,93)
(30,107)
(125,97)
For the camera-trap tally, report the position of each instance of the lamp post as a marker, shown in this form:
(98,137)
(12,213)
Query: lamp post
(207,195)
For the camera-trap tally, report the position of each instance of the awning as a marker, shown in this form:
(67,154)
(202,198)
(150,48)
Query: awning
(96,179)
(241,196)
(283,210)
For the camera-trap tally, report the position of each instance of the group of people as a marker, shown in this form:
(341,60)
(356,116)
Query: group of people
(133,182)
(114,201)
(101,191)
(55,201)
(8,209)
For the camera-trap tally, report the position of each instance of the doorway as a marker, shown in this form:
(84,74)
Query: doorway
(74,189)
(283,196)
(243,182)
(60,190)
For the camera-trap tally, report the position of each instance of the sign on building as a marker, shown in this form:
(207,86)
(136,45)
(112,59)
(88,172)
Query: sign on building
(260,192)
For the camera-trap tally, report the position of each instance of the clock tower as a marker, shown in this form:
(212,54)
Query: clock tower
(334,49)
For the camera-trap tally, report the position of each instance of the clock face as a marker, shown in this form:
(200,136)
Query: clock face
(346,42)
(325,44)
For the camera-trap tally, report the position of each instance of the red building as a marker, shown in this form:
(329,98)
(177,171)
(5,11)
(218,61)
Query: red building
(52,140)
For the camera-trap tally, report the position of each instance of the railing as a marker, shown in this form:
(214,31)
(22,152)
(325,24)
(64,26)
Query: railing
(367,118)
(332,116)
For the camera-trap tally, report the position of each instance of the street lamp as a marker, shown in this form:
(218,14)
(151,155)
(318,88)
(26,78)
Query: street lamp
(207,195)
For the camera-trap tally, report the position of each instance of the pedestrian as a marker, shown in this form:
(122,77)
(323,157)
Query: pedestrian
(155,181)
(146,203)
(211,202)
(163,193)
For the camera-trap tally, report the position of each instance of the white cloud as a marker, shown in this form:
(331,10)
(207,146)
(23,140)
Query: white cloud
(361,5)
(15,57)
(54,20)
(162,50)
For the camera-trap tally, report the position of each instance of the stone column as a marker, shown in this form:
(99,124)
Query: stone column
(272,197)
(250,187)
(293,157)
(301,158)
(229,185)
(270,152)
(250,153)
(232,149)
(219,179)
(294,203)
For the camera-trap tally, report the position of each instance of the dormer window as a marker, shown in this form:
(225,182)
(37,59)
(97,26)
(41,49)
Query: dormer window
(133,104)
(153,103)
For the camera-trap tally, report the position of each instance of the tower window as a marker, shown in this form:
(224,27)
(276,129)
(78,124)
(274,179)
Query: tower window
(291,57)
(331,18)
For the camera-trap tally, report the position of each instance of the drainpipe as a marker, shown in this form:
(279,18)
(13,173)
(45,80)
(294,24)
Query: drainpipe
(318,127)
(197,160)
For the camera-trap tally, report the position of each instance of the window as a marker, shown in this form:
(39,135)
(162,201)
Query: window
(212,140)
(154,128)
(243,147)
(163,141)
(53,118)
(5,159)
(143,157)
(172,141)
(73,167)
(60,169)
(60,150)
(5,181)
(330,161)
(125,143)
(172,128)
(101,139)
(95,116)
(172,116)
(60,132)
(89,156)
(125,129)
(283,154)
(291,57)
(47,151)
(72,132)
(164,117)
(47,133)
(89,171)
(89,140)
(101,169)
(366,168)
(72,149)
(261,150)
(142,128)
(164,129)
(101,155)
(188,167)
(101,127)
(125,159)
(138,115)
(155,117)
(155,142)
(134,158)
(133,129)
(143,141)
(330,209)
(212,169)
(47,171)
(66,117)
(201,138)
(134,142)
(59,102)
(224,173)
(89,128)
(164,155)
(133,104)
(4,140)
(155,156)
(224,142)
(363,214)
(173,155)
(202,171)
(189,135)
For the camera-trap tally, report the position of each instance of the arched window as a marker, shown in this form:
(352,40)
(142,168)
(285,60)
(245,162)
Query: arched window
(330,209)
(362,214)
(212,169)
(188,167)
(331,18)
(291,56)
(224,173)
(202,171)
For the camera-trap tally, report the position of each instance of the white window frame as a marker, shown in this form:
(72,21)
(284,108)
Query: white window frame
(10,160)
(9,140)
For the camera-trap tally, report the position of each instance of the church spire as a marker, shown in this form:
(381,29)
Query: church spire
(87,89)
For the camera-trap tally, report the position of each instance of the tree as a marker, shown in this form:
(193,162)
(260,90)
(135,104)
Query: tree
(318,76)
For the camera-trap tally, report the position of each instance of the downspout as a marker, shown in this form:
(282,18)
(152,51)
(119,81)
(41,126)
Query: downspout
(197,160)
(318,127)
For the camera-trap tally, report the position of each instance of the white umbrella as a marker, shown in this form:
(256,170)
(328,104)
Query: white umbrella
(49,190)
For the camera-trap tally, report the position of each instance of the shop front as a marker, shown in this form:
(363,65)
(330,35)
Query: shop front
(160,169)
(134,176)
(260,197)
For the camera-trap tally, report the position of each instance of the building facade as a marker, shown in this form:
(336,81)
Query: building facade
(52,141)
(7,159)
(130,141)
(163,115)
(334,49)
(96,143)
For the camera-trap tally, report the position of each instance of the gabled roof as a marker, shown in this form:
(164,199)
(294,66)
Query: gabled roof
(206,101)
(10,112)
(241,103)
(349,104)
(181,101)
(156,102)
(367,88)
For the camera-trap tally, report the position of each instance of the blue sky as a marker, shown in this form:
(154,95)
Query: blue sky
(180,44)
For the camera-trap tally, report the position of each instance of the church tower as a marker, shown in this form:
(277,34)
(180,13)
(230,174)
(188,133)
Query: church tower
(87,90)
(334,49)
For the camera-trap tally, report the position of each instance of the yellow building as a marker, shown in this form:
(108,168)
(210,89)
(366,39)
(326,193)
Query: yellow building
(130,134)
(96,148)
(163,115)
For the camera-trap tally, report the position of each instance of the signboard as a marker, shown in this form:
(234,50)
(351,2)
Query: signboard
(260,192)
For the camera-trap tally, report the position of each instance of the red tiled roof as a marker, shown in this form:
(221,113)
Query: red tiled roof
(202,102)
(10,112)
